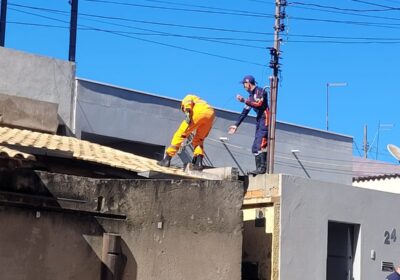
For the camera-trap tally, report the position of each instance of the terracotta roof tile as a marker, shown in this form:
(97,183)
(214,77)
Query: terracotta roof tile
(376,177)
(11,153)
(83,150)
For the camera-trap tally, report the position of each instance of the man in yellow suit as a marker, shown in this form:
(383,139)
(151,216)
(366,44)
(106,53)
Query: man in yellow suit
(199,117)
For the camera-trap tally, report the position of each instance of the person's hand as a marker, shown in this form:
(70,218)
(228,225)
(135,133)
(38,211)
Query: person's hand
(240,98)
(232,129)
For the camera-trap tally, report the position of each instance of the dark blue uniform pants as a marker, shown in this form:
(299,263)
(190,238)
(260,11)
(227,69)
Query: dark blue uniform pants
(261,136)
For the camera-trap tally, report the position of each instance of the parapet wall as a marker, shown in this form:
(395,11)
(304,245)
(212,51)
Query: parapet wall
(181,229)
(39,78)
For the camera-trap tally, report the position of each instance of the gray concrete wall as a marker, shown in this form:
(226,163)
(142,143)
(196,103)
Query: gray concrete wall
(306,208)
(24,112)
(122,113)
(200,237)
(40,78)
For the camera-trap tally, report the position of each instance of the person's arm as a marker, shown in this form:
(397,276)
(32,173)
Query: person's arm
(243,115)
(258,101)
(232,129)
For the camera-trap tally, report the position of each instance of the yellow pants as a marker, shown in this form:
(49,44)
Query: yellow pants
(202,121)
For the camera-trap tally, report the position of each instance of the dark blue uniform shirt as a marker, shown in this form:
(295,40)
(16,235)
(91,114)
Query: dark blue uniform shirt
(393,276)
(258,100)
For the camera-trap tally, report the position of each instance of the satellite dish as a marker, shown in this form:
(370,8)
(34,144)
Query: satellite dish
(394,151)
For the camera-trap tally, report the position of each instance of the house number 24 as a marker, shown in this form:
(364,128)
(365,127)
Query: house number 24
(390,237)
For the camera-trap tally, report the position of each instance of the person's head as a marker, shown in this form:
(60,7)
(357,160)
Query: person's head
(248,82)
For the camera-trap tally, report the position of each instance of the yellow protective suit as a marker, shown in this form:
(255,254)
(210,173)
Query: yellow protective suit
(201,120)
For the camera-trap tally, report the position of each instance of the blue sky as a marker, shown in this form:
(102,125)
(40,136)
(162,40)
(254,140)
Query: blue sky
(174,47)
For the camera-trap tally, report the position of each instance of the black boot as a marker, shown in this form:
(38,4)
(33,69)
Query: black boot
(166,161)
(254,172)
(261,167)
(263,163)
(198,163)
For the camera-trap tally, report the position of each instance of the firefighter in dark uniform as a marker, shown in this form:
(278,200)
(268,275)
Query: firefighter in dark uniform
(395,275)
(258,101)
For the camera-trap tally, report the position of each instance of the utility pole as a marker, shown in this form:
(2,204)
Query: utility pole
(72,29)
(327,99)
(365,142)
(3,22)
(274,80)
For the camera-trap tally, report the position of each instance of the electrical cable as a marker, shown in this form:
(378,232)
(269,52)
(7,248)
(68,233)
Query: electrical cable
(342,9)
(152,41)
(374,4)
(238,13)
(213,29)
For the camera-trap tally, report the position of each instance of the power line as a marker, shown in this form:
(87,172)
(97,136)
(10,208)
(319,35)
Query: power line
(205,27)
(37,24)
(208,39)
(202,38)
(334,12)
(374,4)
(183,48)
(343,9)
(351,22)
(234,12)
(343,42)
(200,6)
(371,39)
(42,16)
(153,42)
(386,25)
(160,33)
(392,1)
(149,22)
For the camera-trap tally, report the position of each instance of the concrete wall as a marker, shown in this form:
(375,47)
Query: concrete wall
(173,230)
(142,117)
(306,208)
(40,78)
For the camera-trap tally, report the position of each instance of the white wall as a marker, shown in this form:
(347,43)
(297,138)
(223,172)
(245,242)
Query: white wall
(306,208)
(387,185)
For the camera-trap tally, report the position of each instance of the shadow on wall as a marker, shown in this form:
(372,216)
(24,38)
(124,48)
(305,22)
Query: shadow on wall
(45,240)
(256,251)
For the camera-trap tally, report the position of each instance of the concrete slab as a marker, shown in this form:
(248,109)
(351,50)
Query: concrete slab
(219,173)
(261,189)
(27,113)
(262,181)
(158,175)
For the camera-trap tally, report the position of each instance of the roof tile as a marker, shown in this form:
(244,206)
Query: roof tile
(83,150)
